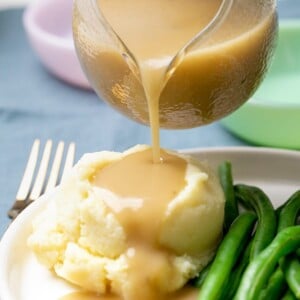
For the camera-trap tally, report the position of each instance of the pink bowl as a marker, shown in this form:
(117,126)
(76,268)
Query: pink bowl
(48,25)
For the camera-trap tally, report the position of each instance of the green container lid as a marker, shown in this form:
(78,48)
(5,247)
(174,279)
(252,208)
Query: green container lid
(272,116)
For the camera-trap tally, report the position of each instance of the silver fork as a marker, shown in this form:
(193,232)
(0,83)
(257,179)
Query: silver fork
(29,189)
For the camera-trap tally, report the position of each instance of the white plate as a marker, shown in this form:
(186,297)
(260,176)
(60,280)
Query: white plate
(277,172)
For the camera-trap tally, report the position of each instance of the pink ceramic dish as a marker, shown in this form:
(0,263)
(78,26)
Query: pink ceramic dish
(48,24)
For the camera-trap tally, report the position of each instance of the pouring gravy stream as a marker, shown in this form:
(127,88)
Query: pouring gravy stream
(154,33)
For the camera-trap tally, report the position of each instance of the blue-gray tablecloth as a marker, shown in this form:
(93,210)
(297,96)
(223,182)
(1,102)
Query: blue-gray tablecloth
(34,104)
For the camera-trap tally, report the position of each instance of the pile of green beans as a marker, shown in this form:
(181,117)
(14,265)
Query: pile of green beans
(258,258)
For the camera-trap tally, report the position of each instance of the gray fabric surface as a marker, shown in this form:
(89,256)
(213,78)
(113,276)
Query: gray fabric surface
(34,104)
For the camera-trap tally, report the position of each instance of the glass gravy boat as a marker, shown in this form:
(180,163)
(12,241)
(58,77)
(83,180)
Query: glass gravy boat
(207,78)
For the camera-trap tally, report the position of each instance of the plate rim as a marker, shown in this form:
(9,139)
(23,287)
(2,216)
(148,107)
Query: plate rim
(10,234)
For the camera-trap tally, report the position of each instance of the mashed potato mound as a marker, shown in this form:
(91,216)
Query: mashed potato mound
(81,239)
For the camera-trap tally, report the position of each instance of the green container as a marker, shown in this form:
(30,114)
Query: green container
(272,116)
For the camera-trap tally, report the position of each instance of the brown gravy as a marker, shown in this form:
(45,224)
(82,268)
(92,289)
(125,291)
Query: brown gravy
(228,67)
(186,293)
(150,187)
(209,82)
(87,296)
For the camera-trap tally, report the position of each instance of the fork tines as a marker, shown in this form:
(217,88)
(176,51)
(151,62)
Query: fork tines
(30,189)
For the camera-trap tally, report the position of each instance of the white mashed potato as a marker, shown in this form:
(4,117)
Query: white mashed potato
(81,240)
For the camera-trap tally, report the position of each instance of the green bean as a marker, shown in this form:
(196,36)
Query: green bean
(290,265)
(231,207)
(255,199)
(289,212)
(287,216)
(236,275)
(275,288)
(227,254)
(289,296)
(291,268)
(278,209)
(262,266)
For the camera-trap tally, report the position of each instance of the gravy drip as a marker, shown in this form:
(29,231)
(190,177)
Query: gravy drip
(206,83)
(165,30)
(144,190)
